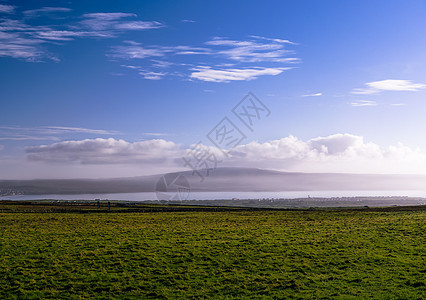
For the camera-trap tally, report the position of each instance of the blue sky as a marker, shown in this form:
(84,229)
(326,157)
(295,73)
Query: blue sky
(99,89)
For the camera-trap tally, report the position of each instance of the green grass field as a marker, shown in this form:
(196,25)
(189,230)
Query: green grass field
(338,254)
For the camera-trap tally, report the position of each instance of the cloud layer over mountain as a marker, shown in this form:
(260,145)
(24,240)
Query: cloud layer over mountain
(335,153)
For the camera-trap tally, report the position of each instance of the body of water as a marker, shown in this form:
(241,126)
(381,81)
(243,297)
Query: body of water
(224,195)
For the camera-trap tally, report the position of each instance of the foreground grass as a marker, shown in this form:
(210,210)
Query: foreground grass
(256,254)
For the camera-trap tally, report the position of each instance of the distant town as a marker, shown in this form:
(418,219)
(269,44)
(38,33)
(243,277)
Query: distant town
(10,192)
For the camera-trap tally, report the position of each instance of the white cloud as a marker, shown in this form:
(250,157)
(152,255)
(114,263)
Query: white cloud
(273,40)
(137,51)
(241,59)
(131,67)
(161,63)
(341,153)
(361,103)
(6,8)
(250,54)
(27,52)
(336,153)
(1,147)
(29,42)
(133,51)
(106,151)
(253,51)
(152,75)
(42,133)
(103,21)
(113,21)
(187,21)
(16,41)
(335,144)
(16,26)
(389,85)
(187,50)
(227,75)
(138,25)
(23,137)
(396,85)
(45,10)
(66,35)
(312,95)
(62,129)
(108,16)
(154,133)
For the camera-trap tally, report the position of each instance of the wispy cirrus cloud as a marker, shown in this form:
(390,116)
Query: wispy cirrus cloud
(23,137)
(23,40)
(137,52)
(312,95)
(62,129)
(154,134)
(133,50)
(28,51)
(8,9)
(227,75)
(252,50)
(16,26)
(17,133)
(116,21)
(152,75)
(222,59)
(45,10)
(234,59)
(188,50)
(273,40)
(375,87)
(16,41)
(67,35)
(360,103)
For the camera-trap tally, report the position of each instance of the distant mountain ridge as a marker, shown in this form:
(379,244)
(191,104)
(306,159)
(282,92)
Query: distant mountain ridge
(222,179)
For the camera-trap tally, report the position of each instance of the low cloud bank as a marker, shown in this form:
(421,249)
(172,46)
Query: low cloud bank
(344,153)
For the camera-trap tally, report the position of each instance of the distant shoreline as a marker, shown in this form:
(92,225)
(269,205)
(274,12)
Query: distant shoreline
(297,203)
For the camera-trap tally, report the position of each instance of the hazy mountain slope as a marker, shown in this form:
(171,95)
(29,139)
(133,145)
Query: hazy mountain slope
(223,179)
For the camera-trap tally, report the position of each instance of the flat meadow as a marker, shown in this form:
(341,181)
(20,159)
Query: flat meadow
(338,254)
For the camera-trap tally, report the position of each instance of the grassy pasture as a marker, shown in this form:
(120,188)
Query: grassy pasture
(339,254)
